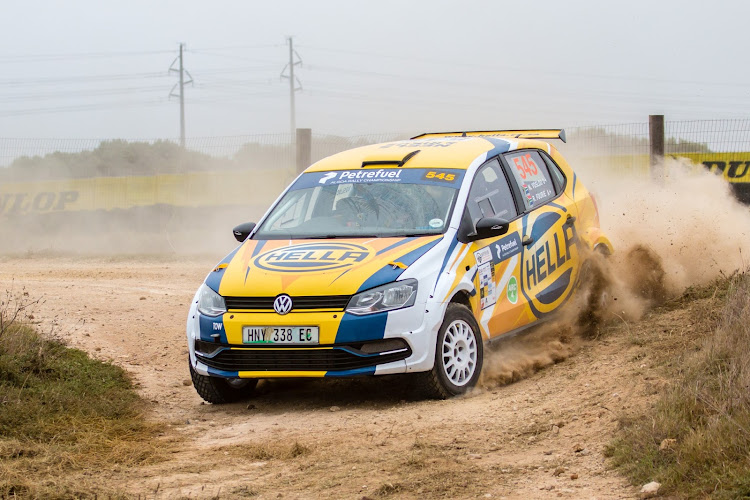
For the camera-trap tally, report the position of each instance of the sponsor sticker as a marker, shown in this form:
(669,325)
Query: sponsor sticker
(311,257)
(483,255)
(512,290)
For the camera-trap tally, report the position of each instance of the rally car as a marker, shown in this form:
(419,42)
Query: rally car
(403,257)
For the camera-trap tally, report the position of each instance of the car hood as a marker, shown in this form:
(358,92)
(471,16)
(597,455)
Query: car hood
(266,268)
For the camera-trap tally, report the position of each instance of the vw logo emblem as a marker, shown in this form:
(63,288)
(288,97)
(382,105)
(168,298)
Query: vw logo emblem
(282,304)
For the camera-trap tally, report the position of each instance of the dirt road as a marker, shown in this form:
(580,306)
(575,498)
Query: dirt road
(540,437)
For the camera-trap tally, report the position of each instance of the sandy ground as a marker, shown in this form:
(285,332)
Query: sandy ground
(540,437)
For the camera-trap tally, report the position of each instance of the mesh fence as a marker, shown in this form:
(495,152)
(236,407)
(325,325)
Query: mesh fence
(53,158)
(698,136)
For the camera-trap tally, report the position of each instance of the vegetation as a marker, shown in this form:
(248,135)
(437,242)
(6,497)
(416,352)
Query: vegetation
(695,440)
(124,158)
(630,142)
(62,414)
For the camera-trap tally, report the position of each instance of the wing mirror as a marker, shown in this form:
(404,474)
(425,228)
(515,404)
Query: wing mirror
(242,231)
(487,227)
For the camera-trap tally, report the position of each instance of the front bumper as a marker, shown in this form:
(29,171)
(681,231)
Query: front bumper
(343,360)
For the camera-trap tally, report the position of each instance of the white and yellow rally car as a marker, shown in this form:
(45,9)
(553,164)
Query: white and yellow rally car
(403,257)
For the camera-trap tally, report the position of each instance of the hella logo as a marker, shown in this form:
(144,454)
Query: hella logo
(311,257)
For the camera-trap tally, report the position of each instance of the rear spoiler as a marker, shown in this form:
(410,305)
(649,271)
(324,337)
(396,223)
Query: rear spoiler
(516,134)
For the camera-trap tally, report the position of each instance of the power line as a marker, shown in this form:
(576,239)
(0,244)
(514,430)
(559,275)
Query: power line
(538,69)
(79,55)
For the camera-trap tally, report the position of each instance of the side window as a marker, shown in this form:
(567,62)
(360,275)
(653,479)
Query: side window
(533,179)
(556,173)
(490,195)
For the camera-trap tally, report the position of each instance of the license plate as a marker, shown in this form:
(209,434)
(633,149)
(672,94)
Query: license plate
(280,334)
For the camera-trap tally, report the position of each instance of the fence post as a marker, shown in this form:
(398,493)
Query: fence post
(656,141)
(304,148)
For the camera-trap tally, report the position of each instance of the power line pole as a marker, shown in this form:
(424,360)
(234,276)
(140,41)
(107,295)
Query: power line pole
(182,71)
(293,81)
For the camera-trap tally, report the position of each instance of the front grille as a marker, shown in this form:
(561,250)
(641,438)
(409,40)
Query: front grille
(335,302)
(284,359)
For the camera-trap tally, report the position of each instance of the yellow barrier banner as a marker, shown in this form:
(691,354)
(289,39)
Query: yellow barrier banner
(734,167)
(249,187)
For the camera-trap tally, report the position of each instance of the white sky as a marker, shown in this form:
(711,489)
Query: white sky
(93,69)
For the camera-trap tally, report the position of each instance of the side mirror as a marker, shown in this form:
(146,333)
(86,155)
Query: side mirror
(488,227)
(242,231)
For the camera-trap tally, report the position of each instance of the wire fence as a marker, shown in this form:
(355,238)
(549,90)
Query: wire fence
(680,137)
(56,158)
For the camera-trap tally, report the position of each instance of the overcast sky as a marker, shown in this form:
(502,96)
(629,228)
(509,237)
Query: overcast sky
(94,69)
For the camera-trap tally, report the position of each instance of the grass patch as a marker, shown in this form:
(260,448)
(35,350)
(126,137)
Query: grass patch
(705,410)
(62,413)
(266,451)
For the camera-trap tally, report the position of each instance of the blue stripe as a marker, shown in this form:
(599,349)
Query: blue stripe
(340,275)
(397,244)
(207,328)
(369,370)
(221,373)
(389,273)
(558,206)
(257,248)
(575,178)
(445,259)
(214,278)
(360,328)
(500,146)
(256,251)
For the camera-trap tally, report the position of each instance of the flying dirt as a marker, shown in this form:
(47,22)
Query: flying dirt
(541,436)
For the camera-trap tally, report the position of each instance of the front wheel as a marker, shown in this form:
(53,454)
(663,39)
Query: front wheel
(458,356)
(219,390)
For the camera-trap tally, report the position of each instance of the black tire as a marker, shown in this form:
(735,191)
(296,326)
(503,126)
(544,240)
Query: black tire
(448,379)
(219,390)
(596,285)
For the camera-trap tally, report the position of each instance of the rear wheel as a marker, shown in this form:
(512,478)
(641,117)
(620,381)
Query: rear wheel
(597,288)
(219,390)
(458,356)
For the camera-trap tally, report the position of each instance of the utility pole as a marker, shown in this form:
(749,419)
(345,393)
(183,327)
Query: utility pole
(182,71)
(293,81)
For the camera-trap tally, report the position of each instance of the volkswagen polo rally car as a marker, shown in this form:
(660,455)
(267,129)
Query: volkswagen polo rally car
(403,257)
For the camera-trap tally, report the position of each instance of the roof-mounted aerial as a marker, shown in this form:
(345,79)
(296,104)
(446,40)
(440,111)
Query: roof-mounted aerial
(516,134)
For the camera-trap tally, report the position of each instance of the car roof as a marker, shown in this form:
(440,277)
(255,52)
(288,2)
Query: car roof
(438,152)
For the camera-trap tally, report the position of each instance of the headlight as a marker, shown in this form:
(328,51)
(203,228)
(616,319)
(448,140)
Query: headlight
(210,303)
(396,295)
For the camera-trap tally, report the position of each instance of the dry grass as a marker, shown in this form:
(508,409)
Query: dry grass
(62,414)
(706,408)
(266,451)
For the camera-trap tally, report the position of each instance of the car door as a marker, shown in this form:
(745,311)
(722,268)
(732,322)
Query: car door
(498,304)
(550,260)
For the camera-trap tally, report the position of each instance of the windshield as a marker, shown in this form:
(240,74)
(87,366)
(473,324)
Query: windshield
(364,203)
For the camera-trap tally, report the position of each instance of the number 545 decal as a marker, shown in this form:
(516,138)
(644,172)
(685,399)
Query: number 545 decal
(441,176)
(526,166)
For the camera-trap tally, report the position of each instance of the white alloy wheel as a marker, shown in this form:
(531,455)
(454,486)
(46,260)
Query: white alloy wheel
(459,352)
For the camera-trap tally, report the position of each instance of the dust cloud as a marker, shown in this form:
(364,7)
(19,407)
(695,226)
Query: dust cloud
(682,229)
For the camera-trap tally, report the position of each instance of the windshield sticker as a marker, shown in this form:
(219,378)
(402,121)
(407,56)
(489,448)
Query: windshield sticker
(443,177)
(436,223)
